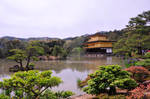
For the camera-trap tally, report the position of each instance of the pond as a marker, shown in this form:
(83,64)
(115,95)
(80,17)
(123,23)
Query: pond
(69,70)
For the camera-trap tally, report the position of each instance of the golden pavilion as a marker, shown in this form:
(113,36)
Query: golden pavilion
(98,44)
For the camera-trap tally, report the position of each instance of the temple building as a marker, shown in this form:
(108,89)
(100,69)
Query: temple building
(98,44)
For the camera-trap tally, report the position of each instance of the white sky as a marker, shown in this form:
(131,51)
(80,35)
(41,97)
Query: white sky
(66,18)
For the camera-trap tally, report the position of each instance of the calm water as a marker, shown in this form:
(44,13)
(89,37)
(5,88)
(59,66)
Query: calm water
(69,70)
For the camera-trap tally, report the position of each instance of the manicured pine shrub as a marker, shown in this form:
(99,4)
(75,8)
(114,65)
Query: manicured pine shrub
(107,78)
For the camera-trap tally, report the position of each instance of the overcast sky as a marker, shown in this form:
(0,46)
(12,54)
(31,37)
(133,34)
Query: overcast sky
(66,18)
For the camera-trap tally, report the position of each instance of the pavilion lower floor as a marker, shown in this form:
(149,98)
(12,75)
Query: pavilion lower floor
(99,51)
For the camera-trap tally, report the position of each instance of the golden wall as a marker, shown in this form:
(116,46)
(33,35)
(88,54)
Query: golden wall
(99,44)
(97,38)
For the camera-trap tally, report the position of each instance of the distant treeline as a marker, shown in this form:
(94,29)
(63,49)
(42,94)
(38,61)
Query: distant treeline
(53,47)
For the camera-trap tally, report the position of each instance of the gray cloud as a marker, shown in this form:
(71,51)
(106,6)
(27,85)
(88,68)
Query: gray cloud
(64,18)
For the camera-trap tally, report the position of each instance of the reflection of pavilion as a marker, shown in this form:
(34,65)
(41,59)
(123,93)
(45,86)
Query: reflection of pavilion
(109,60)
(98,44)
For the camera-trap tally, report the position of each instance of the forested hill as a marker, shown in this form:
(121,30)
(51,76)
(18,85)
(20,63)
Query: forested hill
(28,39)
(113,35)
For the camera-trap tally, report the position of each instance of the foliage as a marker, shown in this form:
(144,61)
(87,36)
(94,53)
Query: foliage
(30,53)
(31,66)
(114,35)
(147,55)
(72,43)
(53,43)
(3,96)
(29,83)
(64,94)
(82,83)
(129,62)
(110,76)
(126,83)
(138,92)
(6,45)
(78,51)
(136,37)
(59,52)
(48,45)
(18,56)
(79,83)
(144,63)
(138,73)
(48,94)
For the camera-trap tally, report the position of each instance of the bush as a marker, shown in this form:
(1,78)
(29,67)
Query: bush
(64,94)
(83,83)
(129,62)
(30,84)
(138,73)
(59,52)
(147,55)
(139,92)
(31,66)
(3,96)
(143,63)
(110,76)
(48,94)
(79,81)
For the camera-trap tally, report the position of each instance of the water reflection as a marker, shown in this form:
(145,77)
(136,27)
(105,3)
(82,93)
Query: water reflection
(69,70)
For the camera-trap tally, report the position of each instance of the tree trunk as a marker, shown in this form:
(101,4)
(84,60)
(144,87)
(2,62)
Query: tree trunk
(21,66)
(28,61)
(139,50)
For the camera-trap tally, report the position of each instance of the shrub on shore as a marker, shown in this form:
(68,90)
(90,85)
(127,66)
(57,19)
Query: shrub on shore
(31,85)
(139,73)
(107,78)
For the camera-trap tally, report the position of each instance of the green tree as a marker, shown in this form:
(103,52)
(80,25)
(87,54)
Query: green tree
(136,37)
(44,45)
(76,42)
(6,45)
(59,51)
(77,51)
(29,84)
(30,53)
(18,56)
(3,96)
(109,77)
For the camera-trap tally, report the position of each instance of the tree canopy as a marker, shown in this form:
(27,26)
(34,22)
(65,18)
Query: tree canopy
(136,37)
(107,78)
(29,83)
(30,53)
